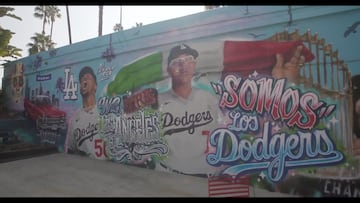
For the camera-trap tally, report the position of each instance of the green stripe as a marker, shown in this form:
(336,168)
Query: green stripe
(141,72)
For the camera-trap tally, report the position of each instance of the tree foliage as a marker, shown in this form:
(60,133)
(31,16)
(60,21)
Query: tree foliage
(41,12)
(41,42)
(118,27)
(7,50)
(53,13)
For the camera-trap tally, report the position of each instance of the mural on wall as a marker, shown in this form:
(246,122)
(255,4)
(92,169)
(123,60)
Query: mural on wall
(268,108)
(17,84)
(83,130)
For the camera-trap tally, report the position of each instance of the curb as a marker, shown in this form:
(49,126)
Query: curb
(33,151)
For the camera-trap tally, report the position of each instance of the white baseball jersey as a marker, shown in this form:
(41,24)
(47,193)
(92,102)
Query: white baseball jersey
(184,122)
(83,134)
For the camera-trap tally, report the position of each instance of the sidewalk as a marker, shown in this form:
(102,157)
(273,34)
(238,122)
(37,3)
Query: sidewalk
(62,175)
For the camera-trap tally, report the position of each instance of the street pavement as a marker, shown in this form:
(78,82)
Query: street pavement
(66,175)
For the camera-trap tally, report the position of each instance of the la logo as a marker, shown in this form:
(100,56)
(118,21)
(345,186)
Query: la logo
(70,86)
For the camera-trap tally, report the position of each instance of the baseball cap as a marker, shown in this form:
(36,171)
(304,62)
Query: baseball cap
(85,70)
(181,49)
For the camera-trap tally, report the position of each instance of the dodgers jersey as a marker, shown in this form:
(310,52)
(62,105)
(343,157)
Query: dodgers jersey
(83,134)
(184,123)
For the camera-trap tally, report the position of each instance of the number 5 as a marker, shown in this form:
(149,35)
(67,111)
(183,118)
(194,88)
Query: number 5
(100,148)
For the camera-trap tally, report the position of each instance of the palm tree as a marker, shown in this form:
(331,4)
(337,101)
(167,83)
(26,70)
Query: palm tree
(53,13)
(68,22)
(100,19)
(7,50)
(138,25)
(4,11)
(118,27)
(41,12)
(41,43)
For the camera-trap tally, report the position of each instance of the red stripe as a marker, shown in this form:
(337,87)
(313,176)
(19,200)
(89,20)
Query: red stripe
(244,57)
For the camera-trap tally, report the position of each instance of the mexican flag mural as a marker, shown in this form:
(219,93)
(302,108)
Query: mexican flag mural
(243,57)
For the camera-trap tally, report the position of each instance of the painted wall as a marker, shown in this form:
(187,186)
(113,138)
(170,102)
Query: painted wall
(263,91)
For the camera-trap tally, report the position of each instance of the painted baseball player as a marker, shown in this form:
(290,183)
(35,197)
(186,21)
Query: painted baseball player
(188,115)
(82,135)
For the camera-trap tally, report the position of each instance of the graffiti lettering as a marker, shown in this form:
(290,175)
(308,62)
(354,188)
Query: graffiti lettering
(133,137)
(191,121)
(109,105)
(107,124)
(48,136)
(277,153)
(243,123)
(105,72)
(139,128)
(282,103)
